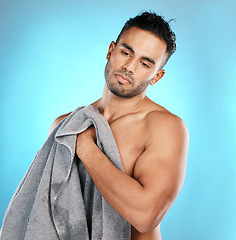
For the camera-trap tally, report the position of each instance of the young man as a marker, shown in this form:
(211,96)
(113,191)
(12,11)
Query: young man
(152,142)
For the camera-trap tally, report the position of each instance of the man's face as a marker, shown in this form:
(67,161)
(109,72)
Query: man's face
(134,62)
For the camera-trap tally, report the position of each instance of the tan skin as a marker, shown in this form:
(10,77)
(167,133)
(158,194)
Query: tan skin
(152,142)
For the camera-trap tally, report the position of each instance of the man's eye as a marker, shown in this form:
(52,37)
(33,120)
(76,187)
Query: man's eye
(124,52)
(146,65)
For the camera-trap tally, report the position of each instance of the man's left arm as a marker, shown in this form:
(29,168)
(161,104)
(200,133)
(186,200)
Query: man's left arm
(158,175)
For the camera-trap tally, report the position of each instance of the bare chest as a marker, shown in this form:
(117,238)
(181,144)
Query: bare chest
(129,134)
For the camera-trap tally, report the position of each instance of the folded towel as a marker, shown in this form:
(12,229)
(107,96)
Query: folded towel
(57,198)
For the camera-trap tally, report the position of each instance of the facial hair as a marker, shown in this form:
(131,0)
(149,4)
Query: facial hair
(118,89)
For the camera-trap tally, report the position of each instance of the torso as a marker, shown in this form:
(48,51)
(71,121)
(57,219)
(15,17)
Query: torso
(129,132)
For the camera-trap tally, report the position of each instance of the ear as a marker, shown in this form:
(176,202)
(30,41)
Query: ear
(111,48)
(158,76)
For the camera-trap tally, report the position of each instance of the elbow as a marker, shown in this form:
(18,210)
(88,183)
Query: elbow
(152,216)
(146,222)
(144,227)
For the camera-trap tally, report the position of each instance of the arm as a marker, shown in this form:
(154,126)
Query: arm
(158,173)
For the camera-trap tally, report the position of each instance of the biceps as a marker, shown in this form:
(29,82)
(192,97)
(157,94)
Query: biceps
(160,173)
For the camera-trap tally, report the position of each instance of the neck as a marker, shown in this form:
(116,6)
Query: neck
(113,107)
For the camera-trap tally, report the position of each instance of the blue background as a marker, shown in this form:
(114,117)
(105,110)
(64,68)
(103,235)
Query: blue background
(52,59)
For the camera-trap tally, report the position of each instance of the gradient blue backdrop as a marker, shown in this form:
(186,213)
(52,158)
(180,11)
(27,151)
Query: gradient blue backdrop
(52,58)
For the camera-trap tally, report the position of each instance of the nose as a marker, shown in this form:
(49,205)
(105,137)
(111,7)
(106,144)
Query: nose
(129,66)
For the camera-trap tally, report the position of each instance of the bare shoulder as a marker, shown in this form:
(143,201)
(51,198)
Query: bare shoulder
(57,121)
(164,121)
(158,118)
(167,138)
(166,134)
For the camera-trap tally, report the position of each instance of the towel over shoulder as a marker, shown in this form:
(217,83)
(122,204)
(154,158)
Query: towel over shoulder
(57,198)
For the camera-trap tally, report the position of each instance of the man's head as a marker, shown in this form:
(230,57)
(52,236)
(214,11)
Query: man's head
(136,59)
(155,24)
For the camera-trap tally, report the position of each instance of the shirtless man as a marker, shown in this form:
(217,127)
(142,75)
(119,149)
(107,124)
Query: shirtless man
(152,142)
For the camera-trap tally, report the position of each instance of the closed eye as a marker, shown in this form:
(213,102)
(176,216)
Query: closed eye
(125,53)
(146,65)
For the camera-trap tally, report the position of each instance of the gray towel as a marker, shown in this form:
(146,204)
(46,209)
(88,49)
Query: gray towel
(57,198)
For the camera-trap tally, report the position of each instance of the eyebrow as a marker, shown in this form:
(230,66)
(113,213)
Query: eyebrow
(149,60)
(128,47)
(132,50)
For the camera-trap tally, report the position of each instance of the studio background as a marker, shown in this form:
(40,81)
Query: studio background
(52,59)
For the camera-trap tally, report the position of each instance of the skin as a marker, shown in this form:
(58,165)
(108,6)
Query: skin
(152,142)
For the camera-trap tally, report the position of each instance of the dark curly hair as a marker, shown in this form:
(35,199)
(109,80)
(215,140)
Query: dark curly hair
(156,24)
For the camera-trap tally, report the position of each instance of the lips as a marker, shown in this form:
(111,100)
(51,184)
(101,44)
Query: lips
(123,79)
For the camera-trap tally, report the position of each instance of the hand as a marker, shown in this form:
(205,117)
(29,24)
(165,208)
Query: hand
(85,141)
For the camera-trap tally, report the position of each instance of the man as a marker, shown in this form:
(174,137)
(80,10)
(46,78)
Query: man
(152,142)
